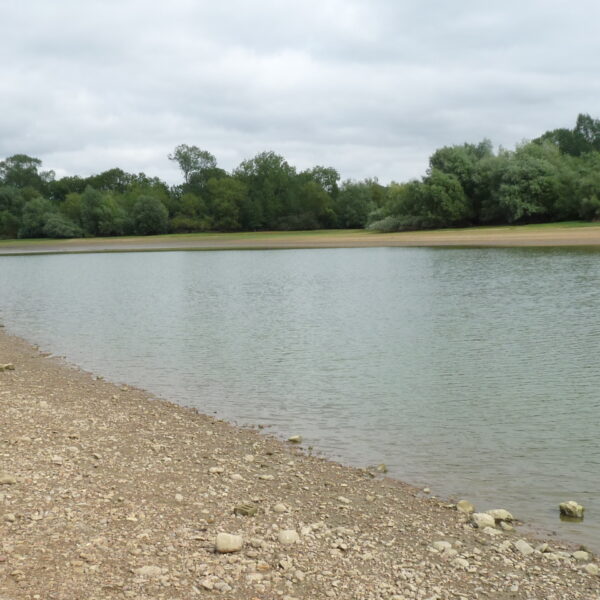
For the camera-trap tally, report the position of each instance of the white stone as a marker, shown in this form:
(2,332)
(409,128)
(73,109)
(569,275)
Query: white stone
(461,563)
(216,470)
(288,537)
(482,520)
(149,571)
(225,542)
(442,546)
(592,569)
(500,514)
(491,531)
(524,548)
(581,555)
(295,439)
(280,508)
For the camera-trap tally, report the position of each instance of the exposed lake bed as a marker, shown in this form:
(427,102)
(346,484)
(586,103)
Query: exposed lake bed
(467,371)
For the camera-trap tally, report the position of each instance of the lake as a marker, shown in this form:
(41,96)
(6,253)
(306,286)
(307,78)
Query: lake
(472,371)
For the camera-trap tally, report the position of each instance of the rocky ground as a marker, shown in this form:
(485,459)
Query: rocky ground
(106,492)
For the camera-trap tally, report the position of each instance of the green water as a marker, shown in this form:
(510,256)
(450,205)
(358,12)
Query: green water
(472,371)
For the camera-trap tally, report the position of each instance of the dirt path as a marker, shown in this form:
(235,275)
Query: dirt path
(106,492)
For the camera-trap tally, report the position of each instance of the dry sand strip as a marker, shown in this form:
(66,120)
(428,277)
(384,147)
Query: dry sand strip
(519,236)
(106,492)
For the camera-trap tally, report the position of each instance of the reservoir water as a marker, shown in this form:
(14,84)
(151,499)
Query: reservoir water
(473,371)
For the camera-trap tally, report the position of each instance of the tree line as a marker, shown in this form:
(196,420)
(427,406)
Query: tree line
(555,177)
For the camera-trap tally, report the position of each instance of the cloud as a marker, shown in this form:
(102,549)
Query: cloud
(370,88)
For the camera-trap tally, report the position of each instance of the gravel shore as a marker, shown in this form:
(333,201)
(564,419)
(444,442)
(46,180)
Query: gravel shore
(106,492)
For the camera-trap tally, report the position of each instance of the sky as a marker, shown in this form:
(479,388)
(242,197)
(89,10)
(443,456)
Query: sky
(371,88)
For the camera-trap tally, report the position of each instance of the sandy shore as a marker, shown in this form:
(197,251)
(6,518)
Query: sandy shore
(106,492)
(523,236)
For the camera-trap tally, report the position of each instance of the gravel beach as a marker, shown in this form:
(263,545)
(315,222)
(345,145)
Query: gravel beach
(107,492)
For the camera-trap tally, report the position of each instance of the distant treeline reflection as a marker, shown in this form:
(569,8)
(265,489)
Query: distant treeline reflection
(555,177)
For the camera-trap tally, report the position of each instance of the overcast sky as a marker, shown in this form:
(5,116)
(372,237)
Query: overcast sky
(371,88)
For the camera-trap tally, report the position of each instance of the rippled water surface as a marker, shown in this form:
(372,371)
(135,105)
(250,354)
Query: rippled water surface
(475,371)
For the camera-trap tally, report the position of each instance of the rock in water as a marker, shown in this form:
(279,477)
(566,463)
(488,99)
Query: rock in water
(295,439)
(464,506)
(226,542)
(571,509)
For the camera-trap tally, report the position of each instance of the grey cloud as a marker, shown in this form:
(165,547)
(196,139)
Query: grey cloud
(371,88)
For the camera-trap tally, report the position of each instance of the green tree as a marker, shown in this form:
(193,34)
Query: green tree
(150,216)
(35,215)
(192,159)
(23,171)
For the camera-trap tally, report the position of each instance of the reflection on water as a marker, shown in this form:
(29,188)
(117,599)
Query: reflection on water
(472,371)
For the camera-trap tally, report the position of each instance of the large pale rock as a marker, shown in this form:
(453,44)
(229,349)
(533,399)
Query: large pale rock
(288,537)
(482,520)
(7,367)
(500,514)
(442,546)
(149,571)
(226,542)
(581,555)
(6,479)
(524,548)
(464,506)
(571,509)
(295,439)
(592,569)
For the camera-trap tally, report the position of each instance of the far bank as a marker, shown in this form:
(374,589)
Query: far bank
(554,234)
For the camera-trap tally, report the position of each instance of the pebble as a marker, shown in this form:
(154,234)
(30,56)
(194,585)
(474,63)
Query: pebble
(524,548)
(592,569)
(149,571)
(216,470)
(295,439)
(442,546)
(7,367)
(6,479)
(225,543)
(462,563)
(57,460)
(246,510)
(178,498)
(280,508)
(382,468)
(288,537)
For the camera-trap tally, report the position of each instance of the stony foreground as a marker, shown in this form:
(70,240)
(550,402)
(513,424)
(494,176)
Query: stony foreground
(107,493)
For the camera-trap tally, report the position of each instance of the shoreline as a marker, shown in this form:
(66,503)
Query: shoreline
(522,236)
(119,494)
